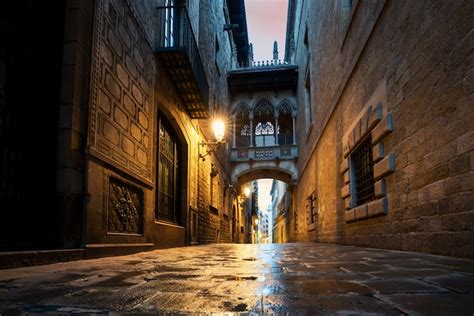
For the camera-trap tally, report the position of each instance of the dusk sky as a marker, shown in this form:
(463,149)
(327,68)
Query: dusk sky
(266,23)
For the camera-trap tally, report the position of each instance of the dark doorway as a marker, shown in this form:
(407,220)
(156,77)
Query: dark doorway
(31,49)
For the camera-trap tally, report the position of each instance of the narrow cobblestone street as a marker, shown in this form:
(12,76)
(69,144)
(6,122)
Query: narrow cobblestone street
(271,279)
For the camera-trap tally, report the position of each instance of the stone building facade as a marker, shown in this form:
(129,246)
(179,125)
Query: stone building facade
(385,132)
(137,86)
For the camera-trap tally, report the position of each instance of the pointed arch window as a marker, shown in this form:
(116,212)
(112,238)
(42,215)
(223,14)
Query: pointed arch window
(242,126)
(245,131)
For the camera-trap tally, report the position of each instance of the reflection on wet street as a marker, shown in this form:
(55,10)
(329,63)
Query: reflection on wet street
(268,279)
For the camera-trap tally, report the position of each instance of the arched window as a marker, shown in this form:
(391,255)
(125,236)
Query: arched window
(242,125)
(264,114)
(285,123)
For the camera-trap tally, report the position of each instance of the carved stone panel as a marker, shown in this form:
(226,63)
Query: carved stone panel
(124,208)
(121,107)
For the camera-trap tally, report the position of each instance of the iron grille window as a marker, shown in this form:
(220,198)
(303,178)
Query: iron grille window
(167,174)
(363,164)
(312,208)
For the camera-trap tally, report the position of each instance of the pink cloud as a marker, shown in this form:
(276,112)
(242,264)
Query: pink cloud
(266,23)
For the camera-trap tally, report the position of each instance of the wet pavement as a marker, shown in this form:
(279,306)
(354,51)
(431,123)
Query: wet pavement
(273,279)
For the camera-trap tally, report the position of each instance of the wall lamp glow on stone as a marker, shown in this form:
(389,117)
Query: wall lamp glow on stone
(218,127)
(246,192)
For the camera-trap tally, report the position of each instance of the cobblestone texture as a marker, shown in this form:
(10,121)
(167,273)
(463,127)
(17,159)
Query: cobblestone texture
(271,279)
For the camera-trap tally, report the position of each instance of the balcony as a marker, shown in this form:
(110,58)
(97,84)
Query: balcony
(275,152)
(177,51)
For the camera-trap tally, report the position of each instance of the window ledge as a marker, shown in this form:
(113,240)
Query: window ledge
(348,24)
(371,209)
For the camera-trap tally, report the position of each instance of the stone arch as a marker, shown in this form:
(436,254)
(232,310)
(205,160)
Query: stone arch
(242,109)
(263,108)
(283,171)
(286,107)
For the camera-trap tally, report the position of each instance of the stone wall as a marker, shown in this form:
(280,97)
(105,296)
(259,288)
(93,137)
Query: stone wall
(129,91)
(419,51)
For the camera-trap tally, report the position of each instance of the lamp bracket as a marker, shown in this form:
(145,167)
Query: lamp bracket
(213,145)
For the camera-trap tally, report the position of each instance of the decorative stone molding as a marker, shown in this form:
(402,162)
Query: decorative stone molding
(380,190)
(124,207)
(121,112)
(373,120)
(385,167)
(378,152)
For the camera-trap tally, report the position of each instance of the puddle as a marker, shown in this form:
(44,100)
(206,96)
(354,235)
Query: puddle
(235,278)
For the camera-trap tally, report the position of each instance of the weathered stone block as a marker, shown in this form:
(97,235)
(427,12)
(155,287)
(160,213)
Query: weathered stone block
(384,167)
(460,164)
(382,129)
(344,165)
(380,188)
(346,149)
(345,191)
(120,118)
(142,156)
(129,105)
(122,75)
(356,133)
(142,120)
(377,152)
(346,178)
(364,122)
(349,216)
(137,94)
(377,207)
(110,132)
(360,211)
(104,102)
(136,132)
(128,146)
(375,117)
(112,86)
(114,42)
(348,203)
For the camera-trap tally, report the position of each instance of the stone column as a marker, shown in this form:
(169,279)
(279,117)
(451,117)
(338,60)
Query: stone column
(293,116)
(251,129)
(233,131)
(276,128)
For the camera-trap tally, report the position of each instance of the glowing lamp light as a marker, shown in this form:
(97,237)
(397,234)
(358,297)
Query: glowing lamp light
(256,221)
(218,127)
(246,191)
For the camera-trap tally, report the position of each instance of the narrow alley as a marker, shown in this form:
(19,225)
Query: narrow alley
(263,279)
(263,157)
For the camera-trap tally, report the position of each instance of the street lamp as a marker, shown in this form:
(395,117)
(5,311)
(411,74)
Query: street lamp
(218,127)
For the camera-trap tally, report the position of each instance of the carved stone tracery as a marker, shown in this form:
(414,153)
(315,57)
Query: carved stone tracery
(124,208)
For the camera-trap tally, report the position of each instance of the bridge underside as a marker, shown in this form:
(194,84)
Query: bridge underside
(245,172)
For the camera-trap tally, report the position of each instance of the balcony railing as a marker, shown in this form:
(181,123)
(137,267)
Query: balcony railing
(282,152)
(262,64)
(177,49)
